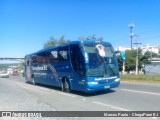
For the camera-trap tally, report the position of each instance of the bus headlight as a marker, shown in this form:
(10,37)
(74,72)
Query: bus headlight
(94,83)
(116,80)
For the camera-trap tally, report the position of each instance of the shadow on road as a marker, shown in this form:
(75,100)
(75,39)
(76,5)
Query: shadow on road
(107,91)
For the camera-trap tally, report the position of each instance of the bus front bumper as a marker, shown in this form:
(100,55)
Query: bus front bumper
(93,86)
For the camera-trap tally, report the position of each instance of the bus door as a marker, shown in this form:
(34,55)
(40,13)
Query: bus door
(78,65)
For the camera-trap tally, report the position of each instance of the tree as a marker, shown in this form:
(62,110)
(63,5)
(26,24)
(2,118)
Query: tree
(53,41)
(150,54)
(144,59)
(130,60)
(92,37)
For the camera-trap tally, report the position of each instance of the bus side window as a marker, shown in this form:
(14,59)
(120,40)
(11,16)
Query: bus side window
(34,59)
(63,53)
(52,55)
(77,59)
(41,58)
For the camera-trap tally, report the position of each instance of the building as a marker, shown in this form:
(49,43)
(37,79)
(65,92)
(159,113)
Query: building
(150,48)
(120,48)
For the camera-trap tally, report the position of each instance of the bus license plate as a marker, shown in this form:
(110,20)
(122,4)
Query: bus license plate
(106,87)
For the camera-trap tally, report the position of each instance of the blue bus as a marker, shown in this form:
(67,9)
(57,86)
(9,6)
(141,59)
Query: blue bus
(86,66)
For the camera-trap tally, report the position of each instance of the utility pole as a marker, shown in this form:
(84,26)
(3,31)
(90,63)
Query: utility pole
(131,26)
(137,54)
(151,53)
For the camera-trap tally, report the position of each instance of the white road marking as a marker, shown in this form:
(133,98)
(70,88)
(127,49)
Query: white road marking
(154,118)
(141,92)
(111,106)
(41,88)
(84,99)
(61,93)
(53,91)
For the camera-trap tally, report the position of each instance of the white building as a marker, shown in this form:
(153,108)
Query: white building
(120,48)
(150,48)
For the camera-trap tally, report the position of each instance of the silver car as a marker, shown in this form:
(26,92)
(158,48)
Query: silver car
(4,74)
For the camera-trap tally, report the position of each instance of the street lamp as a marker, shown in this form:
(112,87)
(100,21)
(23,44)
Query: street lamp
(131,26)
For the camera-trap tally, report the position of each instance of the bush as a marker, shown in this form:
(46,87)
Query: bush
(141,78)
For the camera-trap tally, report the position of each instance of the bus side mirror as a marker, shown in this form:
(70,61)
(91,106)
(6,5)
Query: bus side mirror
(121,55)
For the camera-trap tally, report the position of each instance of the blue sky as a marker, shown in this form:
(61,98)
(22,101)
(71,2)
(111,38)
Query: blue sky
(25,25)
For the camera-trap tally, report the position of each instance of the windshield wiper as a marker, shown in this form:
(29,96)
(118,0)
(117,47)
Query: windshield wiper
(111,69)
(105,67)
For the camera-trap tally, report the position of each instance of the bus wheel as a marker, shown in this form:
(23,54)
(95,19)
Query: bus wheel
(66,86)
(33,81)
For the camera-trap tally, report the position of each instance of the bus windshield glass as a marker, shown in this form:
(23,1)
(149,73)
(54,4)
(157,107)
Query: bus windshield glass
(101,59)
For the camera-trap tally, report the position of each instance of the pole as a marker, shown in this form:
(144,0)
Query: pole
(137,62)
(137,55)
(123,70)
(131,26)
(131,35)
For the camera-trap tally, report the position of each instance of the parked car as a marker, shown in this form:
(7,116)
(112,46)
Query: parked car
(4,74)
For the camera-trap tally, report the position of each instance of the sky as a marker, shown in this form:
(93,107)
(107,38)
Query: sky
(25,25)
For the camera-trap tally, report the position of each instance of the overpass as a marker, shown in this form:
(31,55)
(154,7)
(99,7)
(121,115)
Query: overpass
(10,58)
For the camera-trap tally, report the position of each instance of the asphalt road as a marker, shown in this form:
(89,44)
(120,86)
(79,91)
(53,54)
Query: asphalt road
(17,95)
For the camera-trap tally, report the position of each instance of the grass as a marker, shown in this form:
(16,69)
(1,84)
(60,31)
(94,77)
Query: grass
(141,78)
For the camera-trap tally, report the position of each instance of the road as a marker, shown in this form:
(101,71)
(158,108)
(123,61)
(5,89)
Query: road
(17,95)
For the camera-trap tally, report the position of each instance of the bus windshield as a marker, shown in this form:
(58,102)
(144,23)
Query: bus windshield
(101,59)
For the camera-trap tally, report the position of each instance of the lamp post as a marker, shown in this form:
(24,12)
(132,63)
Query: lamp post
(131,26)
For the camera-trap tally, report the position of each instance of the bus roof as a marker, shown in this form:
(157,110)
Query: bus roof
(72,42)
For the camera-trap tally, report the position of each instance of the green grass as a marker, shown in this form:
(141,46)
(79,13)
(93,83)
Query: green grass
(141,78)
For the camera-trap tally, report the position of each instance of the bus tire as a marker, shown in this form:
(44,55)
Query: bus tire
(66,85)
